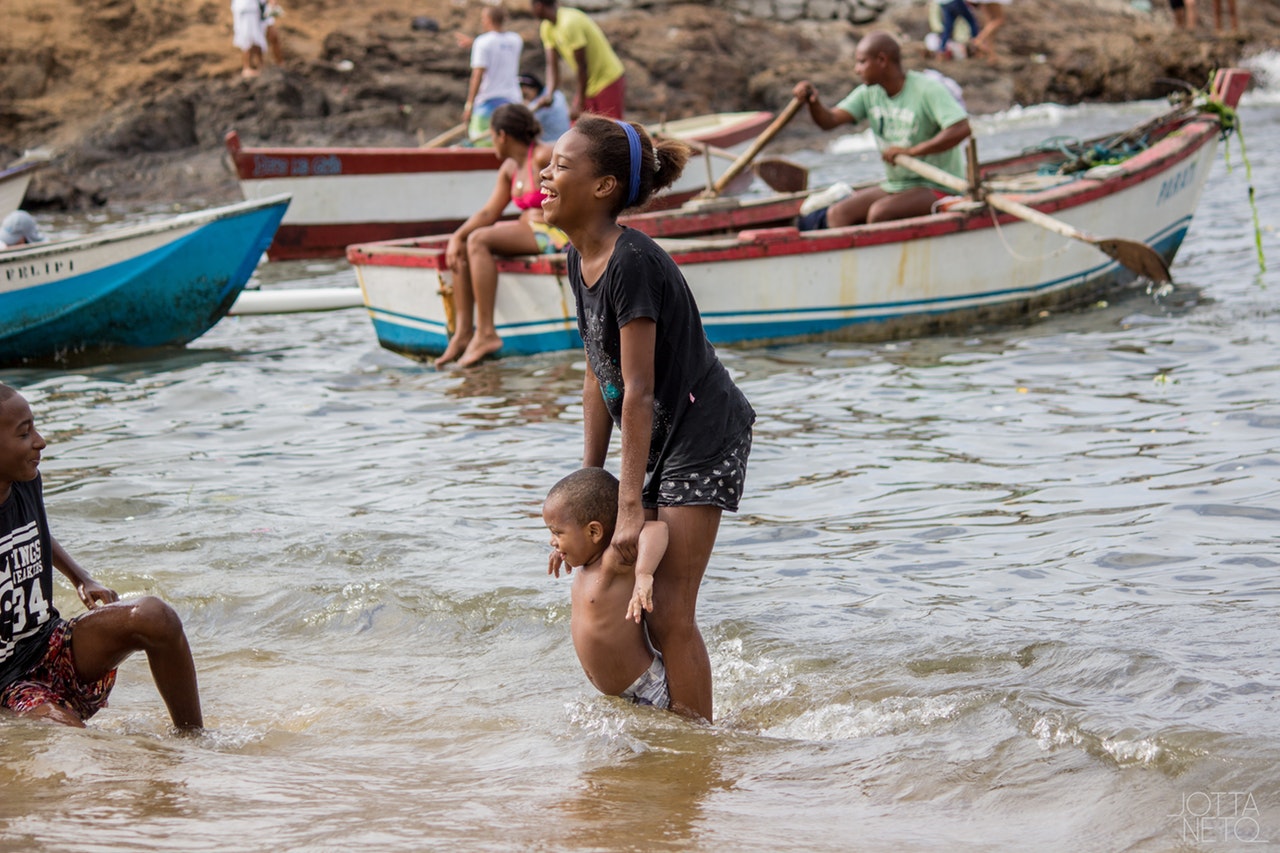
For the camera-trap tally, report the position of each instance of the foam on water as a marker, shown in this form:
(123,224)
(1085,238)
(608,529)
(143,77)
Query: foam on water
(897,715)
(1266,79)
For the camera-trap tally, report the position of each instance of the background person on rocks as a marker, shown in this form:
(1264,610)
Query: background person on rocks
(993,19)
(554,118)
(271,30)
(249,36)
(601,77)
(495,65)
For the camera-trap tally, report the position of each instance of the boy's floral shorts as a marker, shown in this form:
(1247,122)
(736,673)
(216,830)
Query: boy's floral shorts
(54,680)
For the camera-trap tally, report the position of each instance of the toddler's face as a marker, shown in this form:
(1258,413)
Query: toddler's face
(571,539)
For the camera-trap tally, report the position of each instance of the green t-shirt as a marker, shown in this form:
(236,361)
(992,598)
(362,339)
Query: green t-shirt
(572,30)
(919,112)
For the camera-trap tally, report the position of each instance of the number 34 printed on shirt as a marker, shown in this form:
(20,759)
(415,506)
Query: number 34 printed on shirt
(24,604)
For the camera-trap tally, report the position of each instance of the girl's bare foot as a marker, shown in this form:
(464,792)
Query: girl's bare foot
(480,348)
(457,346)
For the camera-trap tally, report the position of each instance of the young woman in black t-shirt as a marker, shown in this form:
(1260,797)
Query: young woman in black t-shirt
(686,427)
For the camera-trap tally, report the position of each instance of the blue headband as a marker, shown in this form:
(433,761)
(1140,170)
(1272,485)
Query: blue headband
(633,141)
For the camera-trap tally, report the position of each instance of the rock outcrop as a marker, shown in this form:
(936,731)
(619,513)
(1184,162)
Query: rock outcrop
(133,99)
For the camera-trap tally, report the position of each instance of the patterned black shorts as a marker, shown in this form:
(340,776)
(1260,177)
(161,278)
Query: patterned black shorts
(719,484)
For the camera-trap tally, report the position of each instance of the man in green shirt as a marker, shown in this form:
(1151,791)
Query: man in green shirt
(909,113)
(569,33)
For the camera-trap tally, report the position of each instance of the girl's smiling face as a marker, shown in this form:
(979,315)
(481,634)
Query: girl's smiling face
(573,191)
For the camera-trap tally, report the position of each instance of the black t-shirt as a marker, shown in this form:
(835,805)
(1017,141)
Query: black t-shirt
(27,614)
(697,409)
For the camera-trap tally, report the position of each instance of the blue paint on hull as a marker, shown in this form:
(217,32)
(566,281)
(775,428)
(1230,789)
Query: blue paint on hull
(165,297)
(425,343)
(405,334)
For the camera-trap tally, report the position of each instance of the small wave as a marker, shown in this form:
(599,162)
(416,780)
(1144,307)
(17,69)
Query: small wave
(233,737)
(1266,78)
(1017,116)
(776,696)
(854,143)
(615,727)
(890,716)
(1124,749)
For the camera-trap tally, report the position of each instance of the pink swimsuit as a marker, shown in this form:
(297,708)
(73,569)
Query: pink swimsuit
(551,240)
(534,197)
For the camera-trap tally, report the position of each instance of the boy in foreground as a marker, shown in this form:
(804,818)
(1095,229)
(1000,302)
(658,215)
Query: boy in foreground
(609,597)
(62,670)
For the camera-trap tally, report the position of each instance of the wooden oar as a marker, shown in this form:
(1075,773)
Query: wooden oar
(762,140)
(1139,257)
(782,175)
(449,137)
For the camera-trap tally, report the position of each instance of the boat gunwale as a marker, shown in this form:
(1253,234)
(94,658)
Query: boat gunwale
(1179,140)
(20,169)
(747,125)
(182,221)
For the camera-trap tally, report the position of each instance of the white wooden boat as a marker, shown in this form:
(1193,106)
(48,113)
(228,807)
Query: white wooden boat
(897,279)
(353,195)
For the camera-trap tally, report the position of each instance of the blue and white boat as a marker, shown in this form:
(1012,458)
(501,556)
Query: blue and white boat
(144,286)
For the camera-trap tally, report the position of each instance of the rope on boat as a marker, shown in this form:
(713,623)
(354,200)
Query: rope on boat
(1079,157)
(1229,121)
(1013,253)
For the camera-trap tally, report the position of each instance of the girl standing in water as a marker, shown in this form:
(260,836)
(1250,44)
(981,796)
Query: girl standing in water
(686,427)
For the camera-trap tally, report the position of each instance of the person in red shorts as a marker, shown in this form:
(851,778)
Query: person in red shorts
(57,669)
(601,76)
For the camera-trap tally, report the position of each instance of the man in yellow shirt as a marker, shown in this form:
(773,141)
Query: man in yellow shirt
(569,33)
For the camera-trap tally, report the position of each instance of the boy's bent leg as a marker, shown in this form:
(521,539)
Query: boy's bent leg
(105,636)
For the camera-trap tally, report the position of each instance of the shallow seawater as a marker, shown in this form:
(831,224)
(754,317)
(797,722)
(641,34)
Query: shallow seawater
(1012,589)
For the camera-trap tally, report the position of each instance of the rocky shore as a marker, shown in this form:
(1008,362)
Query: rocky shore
(131,100)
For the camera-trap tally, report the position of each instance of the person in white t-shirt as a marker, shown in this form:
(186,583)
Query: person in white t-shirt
(249,36)
(495,67)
